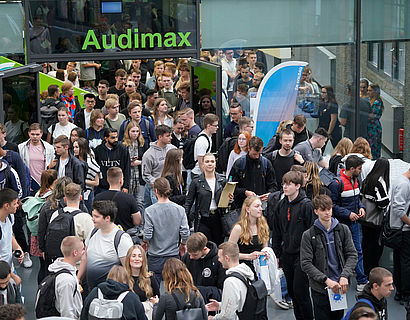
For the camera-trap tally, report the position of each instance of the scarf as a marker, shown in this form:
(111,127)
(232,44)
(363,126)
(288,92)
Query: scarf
(69,102)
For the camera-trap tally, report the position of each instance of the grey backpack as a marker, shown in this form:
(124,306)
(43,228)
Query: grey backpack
(101,308)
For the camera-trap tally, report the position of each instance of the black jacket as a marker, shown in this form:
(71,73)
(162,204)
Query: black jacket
(177,194)
(290,221)
(379,305)
(133,308)
(75,169)
(253,178)
(201,194)
(116,157)
(314,255)
(207,272)
(79,119)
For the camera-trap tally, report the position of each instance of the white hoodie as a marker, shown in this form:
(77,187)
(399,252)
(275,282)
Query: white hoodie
(68,297)
(234,293)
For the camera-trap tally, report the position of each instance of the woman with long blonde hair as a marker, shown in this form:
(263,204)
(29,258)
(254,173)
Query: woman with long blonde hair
(314,185)
(180,290)
(118,284)
(342,149)
(251,233)
(144,283)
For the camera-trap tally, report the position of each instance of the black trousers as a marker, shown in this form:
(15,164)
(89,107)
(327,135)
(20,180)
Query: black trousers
(211,227)
(401,261)
(298,286)
(19,222)
(372,251)
(321,307)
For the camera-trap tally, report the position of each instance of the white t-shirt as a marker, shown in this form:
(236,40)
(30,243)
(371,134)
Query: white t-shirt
(61,167)
(211,183)
(101,254)
(202,146)
(6,240)
(59,130)
(87,116)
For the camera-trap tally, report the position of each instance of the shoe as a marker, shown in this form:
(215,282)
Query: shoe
(282,304)
(360,287)
(27,263)
(290,304)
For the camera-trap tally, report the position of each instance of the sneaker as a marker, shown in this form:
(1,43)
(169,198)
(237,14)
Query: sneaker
(282,304)
(360,287)
(290,304)
(27,263)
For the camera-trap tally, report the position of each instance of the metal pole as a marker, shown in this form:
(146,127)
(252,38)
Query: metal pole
(356,78)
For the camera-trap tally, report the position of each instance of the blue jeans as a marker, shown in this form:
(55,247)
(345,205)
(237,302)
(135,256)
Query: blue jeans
(89,202)
(149,196)
(356,230)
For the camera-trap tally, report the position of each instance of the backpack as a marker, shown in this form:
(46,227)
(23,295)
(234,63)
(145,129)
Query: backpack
(186,312)
(255,302)
(243,166)
(31,207)
(347,315)
(188,160)
(46,297)
(117,237)
(59,228)
(223,153)
(105,309)
(48,115)
(391,237)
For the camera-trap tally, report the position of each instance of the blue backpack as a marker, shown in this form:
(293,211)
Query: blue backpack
(347,315)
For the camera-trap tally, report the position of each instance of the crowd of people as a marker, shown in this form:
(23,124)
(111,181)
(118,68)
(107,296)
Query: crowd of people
(122,197)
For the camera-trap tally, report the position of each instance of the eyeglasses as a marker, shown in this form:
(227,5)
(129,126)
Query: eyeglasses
(214,125)
(129,86)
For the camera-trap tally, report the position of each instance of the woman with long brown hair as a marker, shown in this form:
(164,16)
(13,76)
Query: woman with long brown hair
(374,127)
(314,185)
(251,233)
(172,171)
(180,290)
(240,149)
(160,114)
(144,283)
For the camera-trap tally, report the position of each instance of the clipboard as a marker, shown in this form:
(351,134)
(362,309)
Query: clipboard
(224,199)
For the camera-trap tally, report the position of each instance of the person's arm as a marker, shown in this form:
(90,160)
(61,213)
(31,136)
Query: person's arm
(64,290)
(323,163)
(201,163)
(148,226)
(147,169)
(159,308)
(270,180)
(338,210)
(234,238)
(332,124)
(192,195)
(127,169)
(93,183)
(15,246)
(49,137)
(230,301)
(343,121)
(83,266)
(136,218)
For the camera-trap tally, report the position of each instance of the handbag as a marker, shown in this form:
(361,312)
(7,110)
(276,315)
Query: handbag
(187,312)
(228,220)
(374,215)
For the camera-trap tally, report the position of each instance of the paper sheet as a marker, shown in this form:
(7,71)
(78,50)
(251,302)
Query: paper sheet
(224,199)
(338,301)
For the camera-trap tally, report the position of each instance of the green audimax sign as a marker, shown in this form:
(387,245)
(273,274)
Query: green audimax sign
(134,40)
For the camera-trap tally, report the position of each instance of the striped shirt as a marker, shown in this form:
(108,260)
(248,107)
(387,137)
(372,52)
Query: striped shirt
(92,170)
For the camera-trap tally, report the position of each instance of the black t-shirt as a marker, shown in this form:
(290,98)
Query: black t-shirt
(126,205)
(325,112)
(282,165)
(99,104)
(141,294)
(113,89)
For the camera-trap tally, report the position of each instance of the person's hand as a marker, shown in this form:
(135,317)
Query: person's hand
(154,300)
(362,212)
(98,65)
(344,284)
(230,197)
(256,254)
(264,197)
(353,216)
(145,246)
(16,278)
(249,193)
(210,317)
(182,249)
(213,305)
(52,164)
(298,157)
(333,285)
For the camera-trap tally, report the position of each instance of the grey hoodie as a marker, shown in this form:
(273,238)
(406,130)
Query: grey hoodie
(234,293)
(153,162)
(400,202)
(67,290)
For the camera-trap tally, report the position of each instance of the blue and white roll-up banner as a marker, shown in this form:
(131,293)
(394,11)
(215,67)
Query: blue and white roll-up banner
(276,99)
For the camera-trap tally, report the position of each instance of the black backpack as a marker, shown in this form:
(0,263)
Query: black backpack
(223,153)
(59,228)
(48,115)
(46,296)
(188,159)
(255,303)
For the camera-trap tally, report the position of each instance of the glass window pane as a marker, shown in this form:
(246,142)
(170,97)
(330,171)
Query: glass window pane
(402,58)
(387,58)
(11,28)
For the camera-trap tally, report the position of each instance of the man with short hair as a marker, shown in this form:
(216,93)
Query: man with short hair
(328,257)
(254,174)
(229,68)
(66,164)
(187,116)
(105,246)
(129,211)
(12,312)
(114,118)
(120,79)
(112,154)
(82,118)
(232,128)
(5,144)
(244,77)
(184,100)
(125,97)
(203,143)
(36,154)
(311,149)
(234,290)
(53,98)
(9,290)
(348,209)
(241,96)
(256,81)
(202,262)
(153,160)
(177,138)
(245,124)
(251,59)
(284,158)
(148,106)
(166,229)
(377,291)
(293,216)
(139,86)
(102,88)
(168,92)
(68,301)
